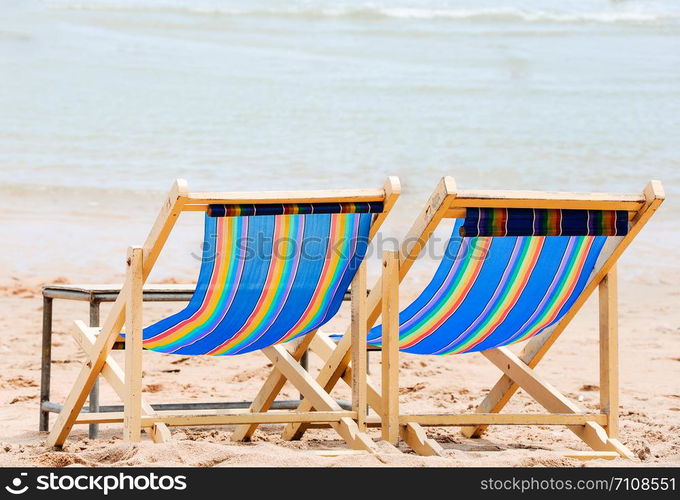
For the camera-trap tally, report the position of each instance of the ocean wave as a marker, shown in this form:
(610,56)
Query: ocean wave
(369,12)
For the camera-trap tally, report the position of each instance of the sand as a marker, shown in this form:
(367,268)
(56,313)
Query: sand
(649,403)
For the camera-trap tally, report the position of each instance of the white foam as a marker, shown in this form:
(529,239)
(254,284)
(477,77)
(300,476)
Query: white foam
(624,15)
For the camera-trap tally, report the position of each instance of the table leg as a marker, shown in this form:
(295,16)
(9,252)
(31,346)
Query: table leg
(93,431)
(46,362)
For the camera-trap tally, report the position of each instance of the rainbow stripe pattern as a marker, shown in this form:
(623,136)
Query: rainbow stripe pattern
(265,280)
(543,222)
(489,292)
(251,209)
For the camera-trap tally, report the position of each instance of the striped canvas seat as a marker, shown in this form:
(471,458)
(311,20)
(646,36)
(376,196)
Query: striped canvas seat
(266,279)
(491,291)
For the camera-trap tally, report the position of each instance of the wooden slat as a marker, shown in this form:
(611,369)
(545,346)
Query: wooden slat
(132,427)
(468,419)
(314,196)
(447,419)
(112,417)
(372,421)
(456,213)
(609,347)
(214,417)
(94,331)
(391,192)
(548,199)
(390,347)
(199,207)
(427,221)
(388,195)
(359,357)
(270,417)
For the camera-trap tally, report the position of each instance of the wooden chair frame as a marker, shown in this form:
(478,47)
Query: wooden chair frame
(138,414)
(597,430)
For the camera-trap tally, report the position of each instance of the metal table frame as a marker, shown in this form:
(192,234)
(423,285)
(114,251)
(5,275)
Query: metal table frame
(95,295)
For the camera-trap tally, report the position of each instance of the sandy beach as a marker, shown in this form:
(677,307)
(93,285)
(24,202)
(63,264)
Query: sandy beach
(105,102)
(649,405)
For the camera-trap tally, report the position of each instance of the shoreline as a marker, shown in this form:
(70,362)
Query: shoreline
(82,235)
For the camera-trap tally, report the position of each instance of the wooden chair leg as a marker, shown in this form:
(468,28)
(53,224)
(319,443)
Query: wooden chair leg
(539,389)
(114,375)
(552,400)
(323,347)
(609,357)
(359,358)
(414,436)
(390,348)
(160,433)
(332,370)
(317,396)
(132,425)
(336,366)
(269,390)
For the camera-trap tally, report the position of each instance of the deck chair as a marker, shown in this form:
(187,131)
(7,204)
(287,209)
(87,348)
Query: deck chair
(518,267)
(275,268)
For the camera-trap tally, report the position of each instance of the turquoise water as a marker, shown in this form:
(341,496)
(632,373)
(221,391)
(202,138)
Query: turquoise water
(109,100)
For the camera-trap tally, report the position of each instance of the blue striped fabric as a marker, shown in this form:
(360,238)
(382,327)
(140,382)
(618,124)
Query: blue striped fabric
(265,280)
(494,291)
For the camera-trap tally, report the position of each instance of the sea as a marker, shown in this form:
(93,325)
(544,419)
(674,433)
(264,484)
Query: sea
(103,103)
